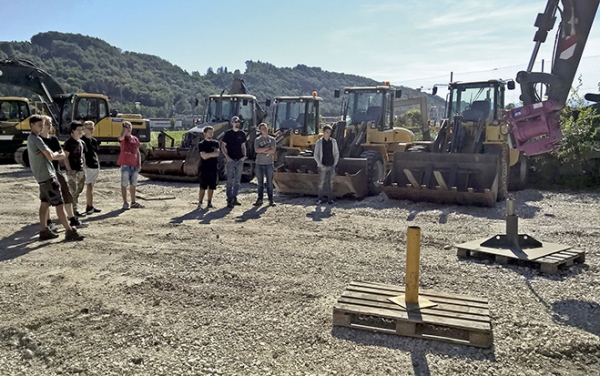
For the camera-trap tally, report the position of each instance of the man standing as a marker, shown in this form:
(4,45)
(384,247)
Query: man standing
(92,165)
(40,159)
(131,164)
(234,148)
(209,173)
(327,156)
(264,146)
(74,162)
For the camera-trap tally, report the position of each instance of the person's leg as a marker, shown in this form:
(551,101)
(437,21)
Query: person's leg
(124,194)
(66,194)
(210,195)
(89,195)
(201,196)
(62,217)
(269,174)
(259,170)
(322,175)
(72,184)
(124,183)
(239,166)
(132,187)
(331,176)
(230,167)
(69,210)
(44,213)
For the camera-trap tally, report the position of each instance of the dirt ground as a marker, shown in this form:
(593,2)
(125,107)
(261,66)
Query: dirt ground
(171,290)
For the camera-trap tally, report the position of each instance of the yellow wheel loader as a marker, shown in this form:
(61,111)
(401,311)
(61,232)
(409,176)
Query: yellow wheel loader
(182,163)
(14,128)
(367,141)
(470,161)
(295,125)
(65,107)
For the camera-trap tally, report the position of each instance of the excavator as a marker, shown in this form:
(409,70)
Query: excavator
(63,108)
(481,150)
(182,163)
(14,118)
(367,141)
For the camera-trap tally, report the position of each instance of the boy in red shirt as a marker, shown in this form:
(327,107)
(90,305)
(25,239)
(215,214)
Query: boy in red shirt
(131,164)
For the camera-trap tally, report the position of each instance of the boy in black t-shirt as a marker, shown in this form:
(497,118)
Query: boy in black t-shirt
(92,165)
(74,162)
(209,172)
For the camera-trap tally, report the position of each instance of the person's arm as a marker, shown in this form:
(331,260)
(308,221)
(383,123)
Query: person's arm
(123,134)
(67,164)
(272,148)
(317,153)
(243,151)
(224,150)
(139,166)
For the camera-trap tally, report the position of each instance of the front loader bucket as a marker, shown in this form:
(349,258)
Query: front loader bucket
(444,178)
(172,164)
(299,175)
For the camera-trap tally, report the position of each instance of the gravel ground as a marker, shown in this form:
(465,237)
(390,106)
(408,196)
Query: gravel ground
(169,290)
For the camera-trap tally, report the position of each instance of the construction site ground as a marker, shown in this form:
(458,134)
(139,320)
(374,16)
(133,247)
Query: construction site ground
(172,290)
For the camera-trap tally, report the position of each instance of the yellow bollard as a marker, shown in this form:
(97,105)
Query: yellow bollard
(413,254)
(411,299)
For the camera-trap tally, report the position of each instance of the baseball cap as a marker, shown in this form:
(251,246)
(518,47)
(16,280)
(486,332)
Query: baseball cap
(234,119)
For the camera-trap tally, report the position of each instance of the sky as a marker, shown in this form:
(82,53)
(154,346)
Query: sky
(395,40)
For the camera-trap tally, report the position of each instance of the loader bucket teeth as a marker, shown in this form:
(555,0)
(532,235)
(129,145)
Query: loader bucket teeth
(299,175)
(464,179)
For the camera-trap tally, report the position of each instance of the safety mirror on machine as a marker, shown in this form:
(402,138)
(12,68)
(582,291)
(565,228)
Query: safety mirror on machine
(398,93)
(245,102)
(434,90)
(511,85)
(336,93)
(268,103)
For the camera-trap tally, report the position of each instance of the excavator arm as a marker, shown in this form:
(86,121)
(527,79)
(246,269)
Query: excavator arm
(535,127)
(24,74)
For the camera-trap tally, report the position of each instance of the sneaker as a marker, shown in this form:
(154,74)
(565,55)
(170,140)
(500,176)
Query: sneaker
(126,206)
(73,235)
(136,205)
(199,206)
(258,203)
(52,227)
(271,203)
(75,222)
(47,235)
(236,202)
(331,202)
(91,210)
(78,214)
(209,205)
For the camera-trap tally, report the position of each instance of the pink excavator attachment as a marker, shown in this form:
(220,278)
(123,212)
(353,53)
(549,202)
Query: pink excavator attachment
(535,128)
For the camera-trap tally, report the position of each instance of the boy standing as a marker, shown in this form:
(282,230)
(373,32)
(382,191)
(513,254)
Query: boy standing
(40,158)
(74,162)
(327,156)
(209,153)
(131,163)
(92,165)
(264,146)
(54,145)
(233,147)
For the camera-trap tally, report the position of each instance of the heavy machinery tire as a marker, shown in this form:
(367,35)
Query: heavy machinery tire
(517,177)
(22,157)
(247,178)
(375,170)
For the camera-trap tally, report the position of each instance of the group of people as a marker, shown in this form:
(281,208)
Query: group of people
(233,147)
(79,154)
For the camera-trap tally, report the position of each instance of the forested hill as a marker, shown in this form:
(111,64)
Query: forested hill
(87,64)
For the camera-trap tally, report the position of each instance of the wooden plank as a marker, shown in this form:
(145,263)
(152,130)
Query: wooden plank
(414,316)
(397,290)
(442,304)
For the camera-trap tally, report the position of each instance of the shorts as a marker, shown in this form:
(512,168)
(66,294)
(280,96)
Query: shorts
(50,192)
(129,176)
(208,180)
(91,175)
(64,188)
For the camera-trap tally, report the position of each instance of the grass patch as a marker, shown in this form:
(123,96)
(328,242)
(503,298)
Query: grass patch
(177,136)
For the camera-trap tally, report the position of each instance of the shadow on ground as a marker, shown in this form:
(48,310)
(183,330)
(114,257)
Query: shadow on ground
(21,242)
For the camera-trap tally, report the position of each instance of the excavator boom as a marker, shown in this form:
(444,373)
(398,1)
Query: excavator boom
(535,127)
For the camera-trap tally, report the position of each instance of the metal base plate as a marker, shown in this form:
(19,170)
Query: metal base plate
(518,253)
(422,303)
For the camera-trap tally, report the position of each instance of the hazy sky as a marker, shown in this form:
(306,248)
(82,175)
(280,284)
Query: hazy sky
(381,39)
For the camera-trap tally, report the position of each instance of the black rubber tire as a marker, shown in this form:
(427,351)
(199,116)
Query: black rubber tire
(22,157)
(517,177)
(375,170)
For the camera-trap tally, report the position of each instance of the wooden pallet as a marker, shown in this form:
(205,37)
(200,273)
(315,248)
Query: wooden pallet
(458,319)
(549,264)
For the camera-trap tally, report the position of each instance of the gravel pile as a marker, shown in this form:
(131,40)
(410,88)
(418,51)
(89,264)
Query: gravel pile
(170,290)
